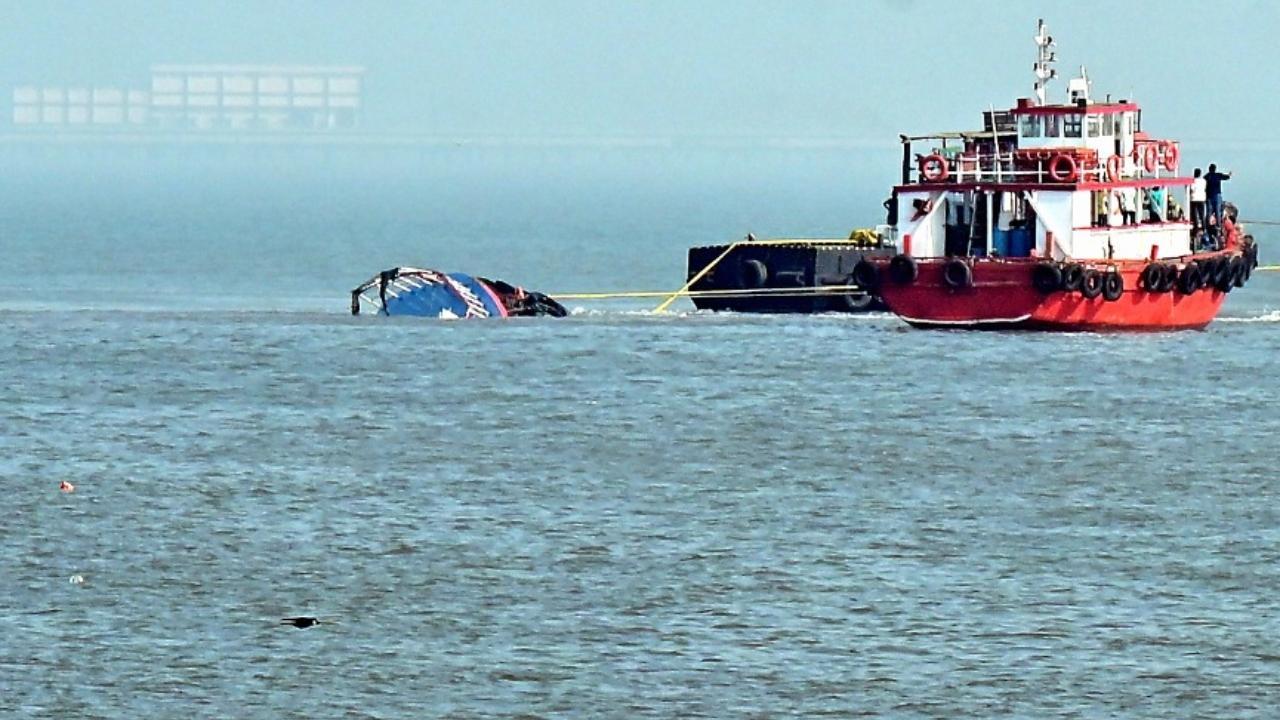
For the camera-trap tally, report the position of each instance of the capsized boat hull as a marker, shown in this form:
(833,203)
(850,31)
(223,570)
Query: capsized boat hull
(420,292)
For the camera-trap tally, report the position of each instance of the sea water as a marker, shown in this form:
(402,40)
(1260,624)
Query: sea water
(617,514)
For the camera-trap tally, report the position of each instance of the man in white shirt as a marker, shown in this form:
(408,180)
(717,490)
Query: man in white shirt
(1129,205)
(1197,201)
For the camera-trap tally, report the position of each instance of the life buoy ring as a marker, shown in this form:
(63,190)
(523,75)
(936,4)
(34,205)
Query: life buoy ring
(752,274)
(1115,166)
(1112,286)
(1150,156)
(1060,174)
(1046,278)
(1189,278)
(903,270)
(1072,277)
(957,274)
(934,168)
(1170,156)
(866,275)
(1091,284)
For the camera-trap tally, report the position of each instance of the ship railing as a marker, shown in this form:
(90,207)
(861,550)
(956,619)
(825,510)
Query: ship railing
(1015,167)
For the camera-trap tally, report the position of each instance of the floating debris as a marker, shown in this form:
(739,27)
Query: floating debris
(66,487)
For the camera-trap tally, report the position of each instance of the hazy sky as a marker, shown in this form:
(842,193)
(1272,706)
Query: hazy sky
(807,69)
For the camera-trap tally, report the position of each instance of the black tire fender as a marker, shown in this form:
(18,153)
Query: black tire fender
(1237,265)
(957,274)
(866,275)
(1170,277)
(1189,278)
(1152,277)
(1046,278)
(1112,286)
(752,274)
(1091,284)
(1222,274)
(1072,277)
(903,269)
(853,302)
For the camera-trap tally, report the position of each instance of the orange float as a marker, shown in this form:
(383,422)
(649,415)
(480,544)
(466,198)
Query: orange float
(1064,168)
(934,168)
(1115,165)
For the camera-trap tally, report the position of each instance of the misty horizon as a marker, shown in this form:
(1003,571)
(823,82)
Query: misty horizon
(664,70)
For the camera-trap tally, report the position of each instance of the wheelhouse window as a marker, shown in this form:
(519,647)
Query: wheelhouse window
(1030,126)
(1071,125)
(1094,123)
(1108,125)
(1052,126)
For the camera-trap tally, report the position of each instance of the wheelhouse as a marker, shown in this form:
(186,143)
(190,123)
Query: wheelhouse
(1076,179)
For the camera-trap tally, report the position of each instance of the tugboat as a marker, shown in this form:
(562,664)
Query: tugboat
(1056,217)
(430,293)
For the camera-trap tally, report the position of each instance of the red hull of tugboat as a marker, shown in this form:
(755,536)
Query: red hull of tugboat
(1003,296)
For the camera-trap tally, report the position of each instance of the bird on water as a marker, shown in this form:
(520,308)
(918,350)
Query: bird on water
(300,622)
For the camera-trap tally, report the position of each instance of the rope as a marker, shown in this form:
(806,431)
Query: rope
(684,289)
(1260,222)
(786,292)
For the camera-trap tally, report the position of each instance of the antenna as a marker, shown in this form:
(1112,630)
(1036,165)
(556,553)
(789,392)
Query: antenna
(1078,89)
(1045,58)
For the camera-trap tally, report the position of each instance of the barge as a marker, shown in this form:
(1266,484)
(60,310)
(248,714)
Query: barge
(785,276)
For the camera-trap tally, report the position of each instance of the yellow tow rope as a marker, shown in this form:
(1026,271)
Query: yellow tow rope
(684,291)
(819,290)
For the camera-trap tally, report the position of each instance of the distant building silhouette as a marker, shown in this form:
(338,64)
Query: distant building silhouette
(196,98)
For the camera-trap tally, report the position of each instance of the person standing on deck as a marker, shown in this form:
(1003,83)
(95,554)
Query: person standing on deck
(1230,236)
(1197,201)
(1129,205)
(1213,195)
(1158,199)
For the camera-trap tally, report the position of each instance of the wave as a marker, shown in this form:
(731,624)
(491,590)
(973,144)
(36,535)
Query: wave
(1267,317)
